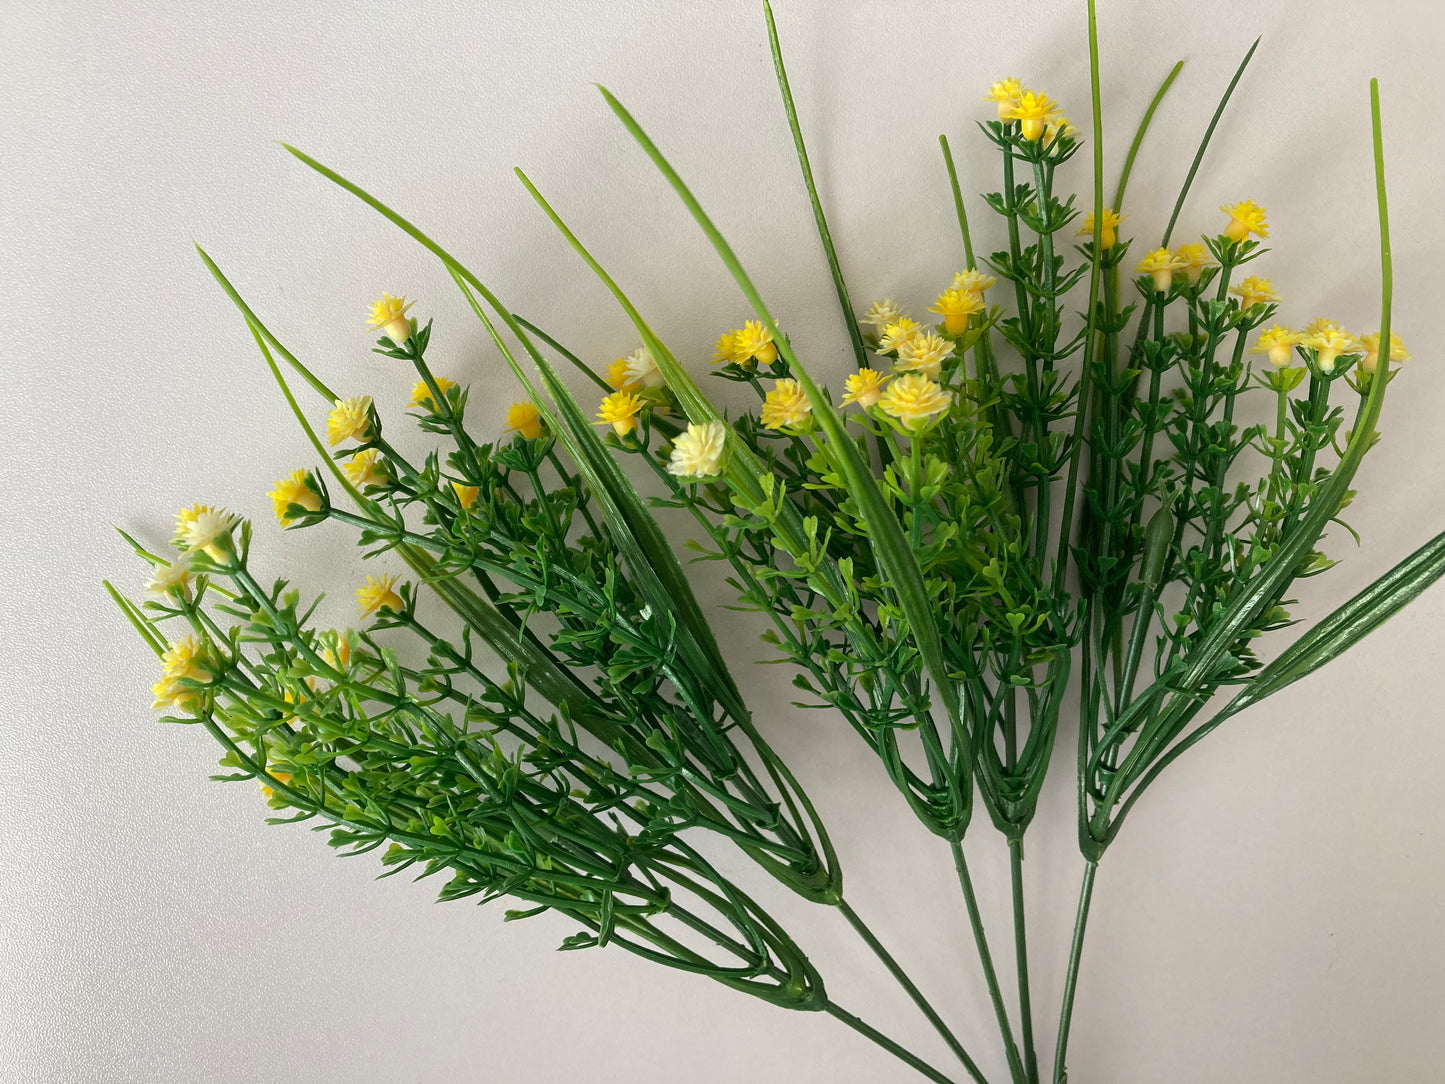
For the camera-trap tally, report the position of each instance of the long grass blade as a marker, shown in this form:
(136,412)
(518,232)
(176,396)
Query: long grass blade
(1140,133)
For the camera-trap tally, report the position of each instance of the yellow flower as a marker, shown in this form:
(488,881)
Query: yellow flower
(523,418)
(1006,93)
(786,407)
(1245,218)
(697,452)
(956,306)
(973,281)
(206,530)
(1109,235)
(620,409)
(364,469)
(1279,343)
(421,394)
(171,578)
(389,317)
(642,370)
(898,333)
(187,516)
(466,495)
(183,660)
(617,375)
(1371,343)
(1059,125)
(755,342)
(913,399)
(726,349)
(1321,326)
(1032,111)
(378,593)
(1328,344)
(350,419)
(281,777)
(865,387)
(925,353)
(1161,263)
(1254,291)
(1195,259)
(882,313)
(340,659)
(293,490)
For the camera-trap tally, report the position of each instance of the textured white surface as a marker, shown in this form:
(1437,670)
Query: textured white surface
(1272,914)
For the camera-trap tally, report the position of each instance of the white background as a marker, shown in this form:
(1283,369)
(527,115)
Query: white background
(1273,913)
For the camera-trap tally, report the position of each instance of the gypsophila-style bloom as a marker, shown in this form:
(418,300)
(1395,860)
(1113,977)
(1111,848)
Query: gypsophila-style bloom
(913,399)
(1006,92)
(786,406)
(925,353)
(697,452)
(172,578)
(206,530)
(1109,235)
(1245,218)
(1254,291)
(293,490)
(1328,343)
(182,661)
(973,281)
(350,419)
(366,469)
(421,394)
(1032,111)
(898,333)
(865,387)
(642,370)
(1161,263)
(882,313)
(1371,342)
(725,352)
(755,343)
(389,317)
(466,495)
(378,593)
(617,376)
(524,418)
(620,410)
(1194,258)
(956,306)
(1279,343)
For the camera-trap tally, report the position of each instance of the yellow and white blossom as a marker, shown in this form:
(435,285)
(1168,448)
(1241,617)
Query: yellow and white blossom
(205,531)
(1108,235)
(421,394)
(913,399)
(1245,218)
(642,370)
(697,452)
(973,281)
(786,406)
(1194,258)
(366,469)
(350,419)
(1279,343)
(1161,263)
(617,376)
(753,342)
(378,593)
(171,578)
(1371,342)
(882,313)
(924,354)
(725,352)
(389,317)
(620,410)
(293,489)
(1006,93)
(1032,111)
(898,333)
(1328,344)
(865,387)
(1254,291)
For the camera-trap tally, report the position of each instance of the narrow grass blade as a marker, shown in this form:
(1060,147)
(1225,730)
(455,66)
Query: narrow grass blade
(1140,133)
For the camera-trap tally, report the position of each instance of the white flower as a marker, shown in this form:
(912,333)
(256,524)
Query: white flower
(173,577)
(697,452)
(643,370)
(204,531)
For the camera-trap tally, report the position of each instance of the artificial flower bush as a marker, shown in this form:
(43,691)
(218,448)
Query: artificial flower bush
(1033,488)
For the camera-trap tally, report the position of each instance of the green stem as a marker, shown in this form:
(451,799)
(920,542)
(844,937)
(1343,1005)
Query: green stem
(872,1034)
(1021,955)
(913,992)
(975,920)
(1071,980)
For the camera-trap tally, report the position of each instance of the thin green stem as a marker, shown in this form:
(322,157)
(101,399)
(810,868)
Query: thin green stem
(1021,956)
(872,1034)
(861,928)
(995,993)
(1071,979)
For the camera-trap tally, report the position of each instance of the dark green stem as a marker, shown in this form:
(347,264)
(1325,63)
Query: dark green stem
(995,993)
(1021,957)
(1071,980)
(872,1034)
